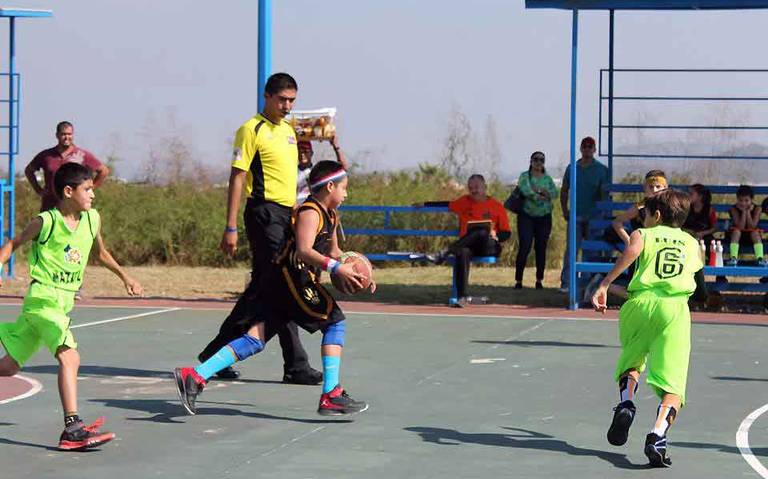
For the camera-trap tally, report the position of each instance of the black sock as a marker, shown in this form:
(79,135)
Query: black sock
(70,419)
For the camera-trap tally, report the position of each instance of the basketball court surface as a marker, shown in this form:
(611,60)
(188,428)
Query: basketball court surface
(483,392)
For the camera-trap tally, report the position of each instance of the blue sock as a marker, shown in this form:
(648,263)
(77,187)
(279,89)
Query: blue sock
(331,365)
(222,359)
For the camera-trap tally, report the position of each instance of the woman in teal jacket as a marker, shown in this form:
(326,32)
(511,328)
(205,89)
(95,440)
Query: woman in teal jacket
(534,222)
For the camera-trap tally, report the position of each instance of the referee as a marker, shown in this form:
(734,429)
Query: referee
(265,160)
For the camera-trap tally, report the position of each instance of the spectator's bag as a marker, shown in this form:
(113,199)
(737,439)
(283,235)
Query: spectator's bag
(515,201)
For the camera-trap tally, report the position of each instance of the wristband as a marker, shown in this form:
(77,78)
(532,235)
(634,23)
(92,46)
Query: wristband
(230,229)
(331,265)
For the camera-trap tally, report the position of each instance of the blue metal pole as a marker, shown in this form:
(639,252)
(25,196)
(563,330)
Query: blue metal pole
(610,95)
(12,135)
(265,47)
(573,288)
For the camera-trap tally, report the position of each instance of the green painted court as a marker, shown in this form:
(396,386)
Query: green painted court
(450,396)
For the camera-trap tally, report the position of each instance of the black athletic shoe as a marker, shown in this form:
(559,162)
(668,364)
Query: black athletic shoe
(656,450)
(189,385)
(307,377)
(623,416)
(337,403)
(228,374)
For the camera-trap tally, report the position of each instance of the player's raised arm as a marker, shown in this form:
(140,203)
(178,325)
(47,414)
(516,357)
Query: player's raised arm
(107,260)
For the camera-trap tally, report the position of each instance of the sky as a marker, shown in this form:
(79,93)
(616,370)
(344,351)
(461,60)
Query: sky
(129,74)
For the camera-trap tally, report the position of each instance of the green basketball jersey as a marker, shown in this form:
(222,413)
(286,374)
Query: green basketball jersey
(668,262)
(59,255)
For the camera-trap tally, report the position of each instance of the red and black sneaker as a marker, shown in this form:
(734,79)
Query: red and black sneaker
(77,436)
(337,402)
(189,385)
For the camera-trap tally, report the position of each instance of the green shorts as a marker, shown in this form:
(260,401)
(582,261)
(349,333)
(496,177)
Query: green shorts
(656,330)
(43,322)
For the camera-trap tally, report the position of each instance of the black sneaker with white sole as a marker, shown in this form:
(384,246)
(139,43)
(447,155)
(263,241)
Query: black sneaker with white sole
(656,450)
(623,415)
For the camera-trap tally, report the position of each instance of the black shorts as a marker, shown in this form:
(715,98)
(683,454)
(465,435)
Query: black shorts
(299,298)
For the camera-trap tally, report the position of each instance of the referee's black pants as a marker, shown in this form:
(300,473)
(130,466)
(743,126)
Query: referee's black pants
(267,226)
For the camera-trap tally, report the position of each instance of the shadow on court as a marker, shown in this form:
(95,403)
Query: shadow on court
(554,344)
(526,439)
(12,442)
(168,412)
(739,378)
(759,451)
(110,371)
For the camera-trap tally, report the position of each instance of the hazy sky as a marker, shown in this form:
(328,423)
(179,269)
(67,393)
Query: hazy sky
(394,69)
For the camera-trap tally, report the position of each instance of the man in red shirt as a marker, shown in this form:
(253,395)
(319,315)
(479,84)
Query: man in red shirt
(51,159)
(483,226)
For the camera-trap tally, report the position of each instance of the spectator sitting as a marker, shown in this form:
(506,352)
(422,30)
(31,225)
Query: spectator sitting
(702,218)
(483,226)
(655,181)
(745,216)
(534,222)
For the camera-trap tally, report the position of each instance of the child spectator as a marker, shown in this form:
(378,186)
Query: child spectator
(745,216)
(702,218)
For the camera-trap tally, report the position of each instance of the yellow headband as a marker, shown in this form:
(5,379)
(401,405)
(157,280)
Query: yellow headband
(656,180)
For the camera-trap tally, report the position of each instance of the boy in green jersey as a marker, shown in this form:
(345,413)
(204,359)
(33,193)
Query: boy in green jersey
(655,323)
(62,239)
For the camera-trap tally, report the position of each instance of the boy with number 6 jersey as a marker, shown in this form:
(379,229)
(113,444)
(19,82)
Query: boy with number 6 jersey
(655,323)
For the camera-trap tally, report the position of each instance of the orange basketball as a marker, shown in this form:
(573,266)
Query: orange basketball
(360,264)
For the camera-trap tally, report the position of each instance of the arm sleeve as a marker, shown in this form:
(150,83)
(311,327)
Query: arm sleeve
(90,160)
(502,219)
(551,188)
(524,183)
(455,205)
(36,162)
(244,148)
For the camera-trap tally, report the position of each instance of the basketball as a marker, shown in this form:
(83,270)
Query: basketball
(360,264)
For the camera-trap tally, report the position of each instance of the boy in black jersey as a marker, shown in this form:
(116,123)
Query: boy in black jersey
(295,294)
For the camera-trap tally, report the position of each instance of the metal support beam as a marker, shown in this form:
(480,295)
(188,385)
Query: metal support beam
(611,66)
(264,48)
(572,286)
(13,130)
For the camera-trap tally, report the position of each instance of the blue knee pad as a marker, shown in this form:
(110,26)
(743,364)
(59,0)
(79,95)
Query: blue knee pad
(246,346)
(334,334)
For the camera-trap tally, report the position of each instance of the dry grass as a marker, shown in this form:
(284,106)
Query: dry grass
(405,284)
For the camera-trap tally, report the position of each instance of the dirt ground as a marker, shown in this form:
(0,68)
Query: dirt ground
(406,284)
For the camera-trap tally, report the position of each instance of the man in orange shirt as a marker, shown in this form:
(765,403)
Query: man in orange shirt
(483,226)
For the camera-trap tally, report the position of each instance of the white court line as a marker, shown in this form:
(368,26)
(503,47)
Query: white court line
(511,338)
(36,388)
(742,441)
(484,316)
(123,318)
(102,306)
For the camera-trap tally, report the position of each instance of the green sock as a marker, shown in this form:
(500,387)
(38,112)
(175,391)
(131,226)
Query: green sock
(759,250)
(734,250)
